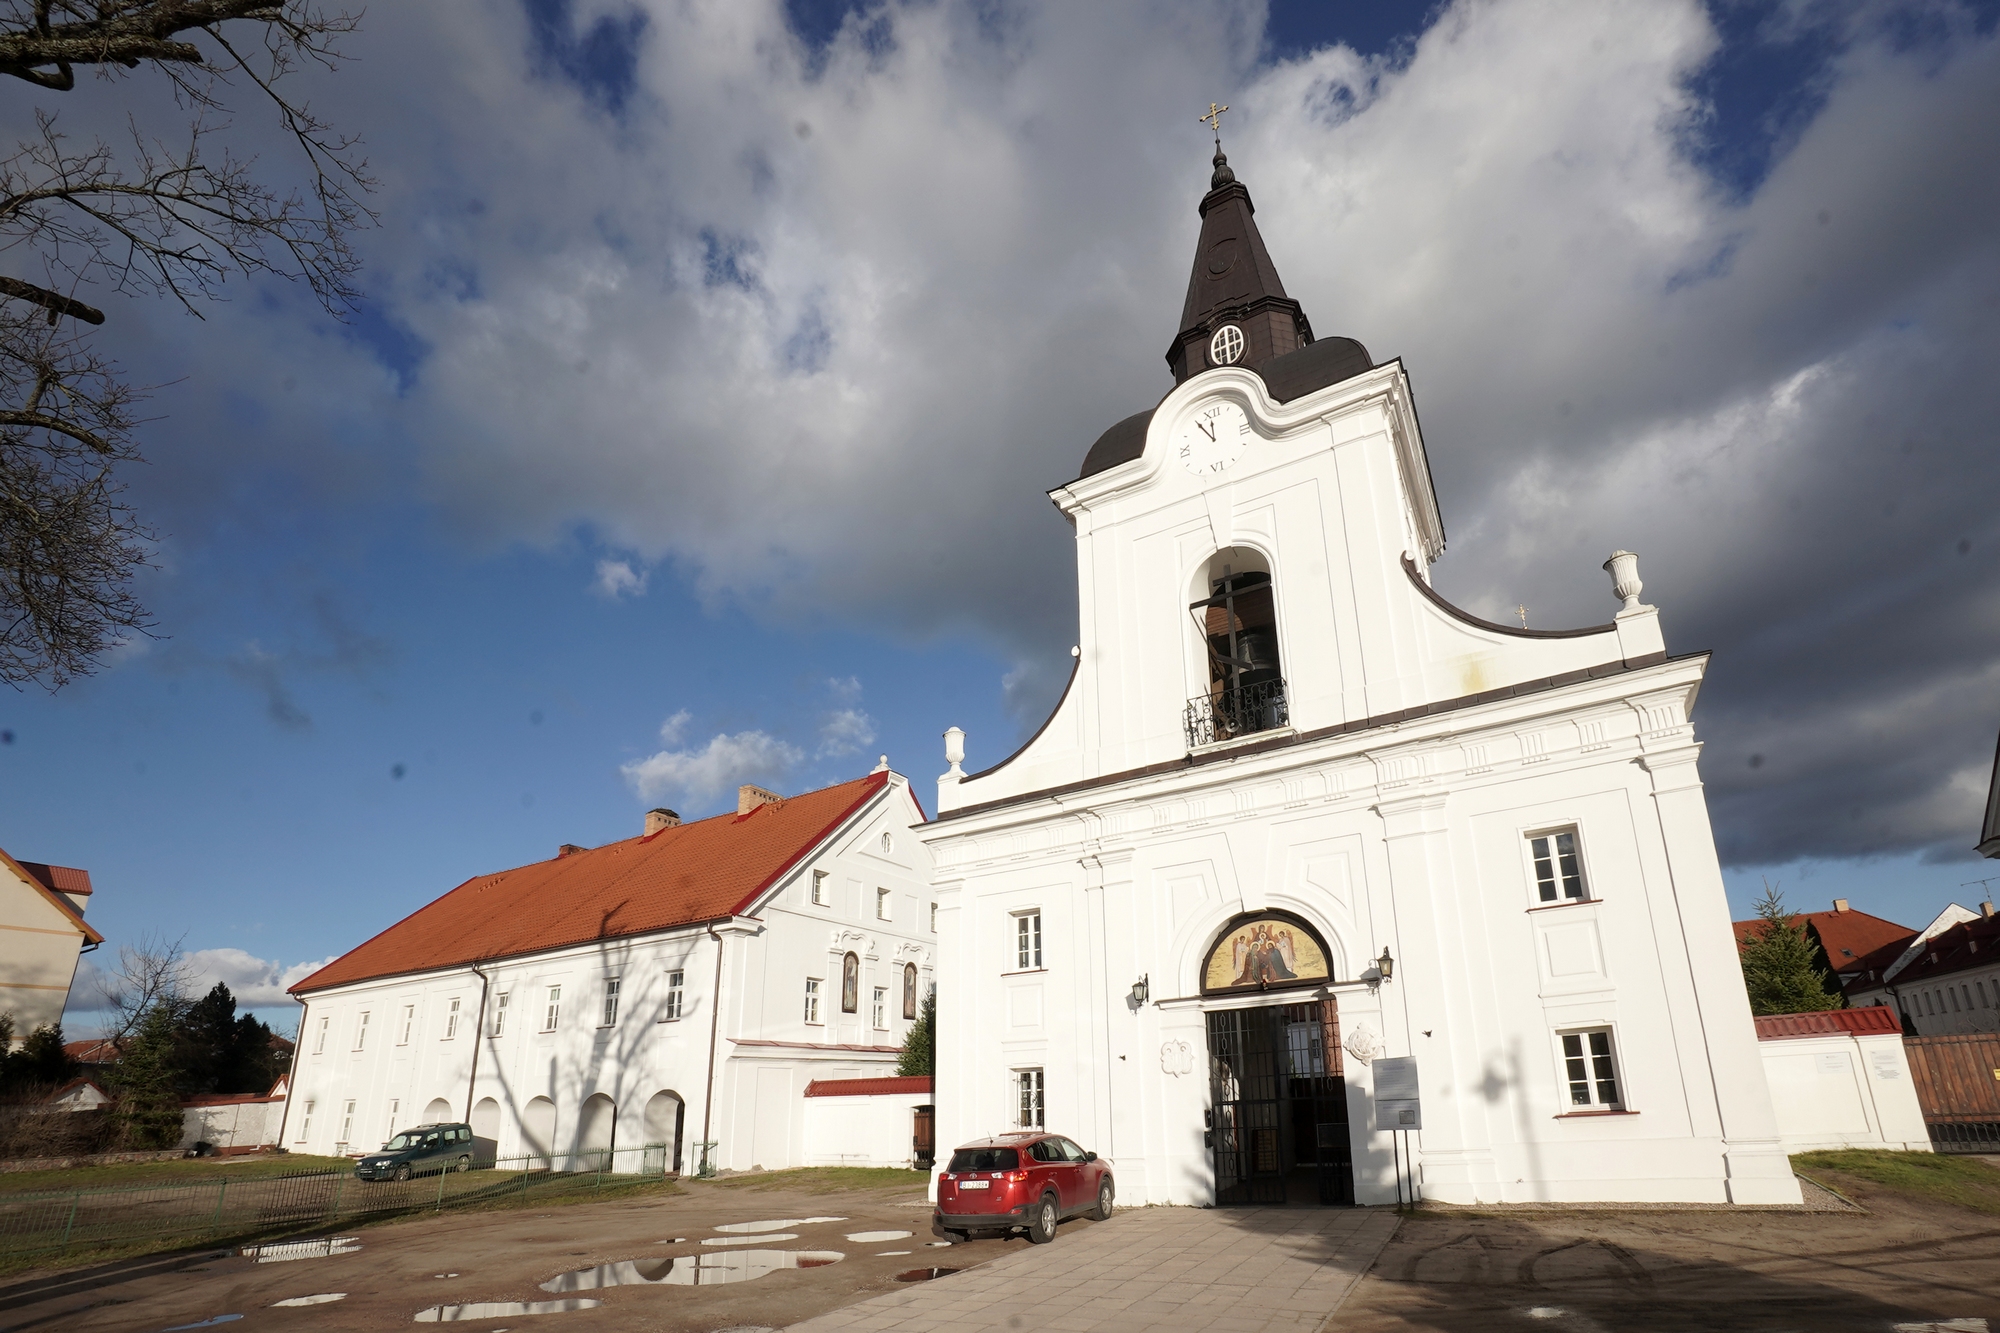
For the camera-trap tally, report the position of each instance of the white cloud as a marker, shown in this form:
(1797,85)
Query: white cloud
(844,731)
(617,578)
(725,762)
(257,983)
(675,727)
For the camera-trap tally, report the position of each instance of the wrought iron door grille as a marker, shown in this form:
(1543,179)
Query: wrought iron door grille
(1278,1118)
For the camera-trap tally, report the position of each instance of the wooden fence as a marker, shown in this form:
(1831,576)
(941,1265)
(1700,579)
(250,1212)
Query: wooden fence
(1958,1085)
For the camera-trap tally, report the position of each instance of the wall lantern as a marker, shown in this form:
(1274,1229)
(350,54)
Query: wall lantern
(1385,964)
(1141,989)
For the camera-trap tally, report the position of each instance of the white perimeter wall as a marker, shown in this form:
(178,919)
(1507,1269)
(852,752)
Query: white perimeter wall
(1844,1091)
(862,1131)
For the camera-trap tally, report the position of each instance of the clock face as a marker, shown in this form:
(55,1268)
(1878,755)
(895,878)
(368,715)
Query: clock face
(1213,438)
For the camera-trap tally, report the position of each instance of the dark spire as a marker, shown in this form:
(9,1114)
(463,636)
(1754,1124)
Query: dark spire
(1234,283)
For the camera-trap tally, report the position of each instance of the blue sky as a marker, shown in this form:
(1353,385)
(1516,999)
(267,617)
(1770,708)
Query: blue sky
(696,424)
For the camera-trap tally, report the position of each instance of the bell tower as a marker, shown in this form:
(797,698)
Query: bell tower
(1237,313)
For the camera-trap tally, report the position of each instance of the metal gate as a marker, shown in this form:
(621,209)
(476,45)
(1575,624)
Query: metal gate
(1957,1079)
(1277,1122)
(923,1140)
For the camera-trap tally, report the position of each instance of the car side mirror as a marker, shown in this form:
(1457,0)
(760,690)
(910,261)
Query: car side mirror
(1090,1157)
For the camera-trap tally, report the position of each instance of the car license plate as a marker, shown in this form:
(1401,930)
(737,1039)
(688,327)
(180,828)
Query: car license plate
(972,1184)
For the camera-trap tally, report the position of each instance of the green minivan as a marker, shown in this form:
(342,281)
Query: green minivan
(418,1151)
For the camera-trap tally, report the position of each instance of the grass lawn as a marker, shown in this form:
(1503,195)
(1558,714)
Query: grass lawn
(176,1171)
(1940,1177)
(826,1179)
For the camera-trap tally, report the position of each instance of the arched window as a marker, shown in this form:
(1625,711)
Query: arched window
(909,990)
(850,984)
(1236,621)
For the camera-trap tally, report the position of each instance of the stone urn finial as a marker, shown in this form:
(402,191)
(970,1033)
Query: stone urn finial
(954,752)
(1624,570)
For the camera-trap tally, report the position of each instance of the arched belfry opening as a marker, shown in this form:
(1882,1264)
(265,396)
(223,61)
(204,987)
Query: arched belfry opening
(1235,618)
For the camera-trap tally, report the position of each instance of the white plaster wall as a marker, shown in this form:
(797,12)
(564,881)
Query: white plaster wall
(766,957)
(874,1130)
(1844,1091)
(235,1125)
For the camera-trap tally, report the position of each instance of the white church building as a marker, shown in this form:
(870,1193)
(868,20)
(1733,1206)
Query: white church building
(680,988)
(1297,814)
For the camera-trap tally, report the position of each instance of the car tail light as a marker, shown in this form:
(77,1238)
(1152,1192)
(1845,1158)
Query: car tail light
(1015,1177)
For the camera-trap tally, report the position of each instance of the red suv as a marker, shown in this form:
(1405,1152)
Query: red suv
(1020,1182)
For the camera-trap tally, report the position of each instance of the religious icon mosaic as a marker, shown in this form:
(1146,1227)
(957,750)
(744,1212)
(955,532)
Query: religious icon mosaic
(1263,952)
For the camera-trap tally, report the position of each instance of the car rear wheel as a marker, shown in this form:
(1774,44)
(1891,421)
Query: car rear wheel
(1103,1213)
(1042,1226)
(463,1164)
(403,1171)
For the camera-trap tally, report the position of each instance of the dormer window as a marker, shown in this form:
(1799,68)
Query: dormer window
(1237,626)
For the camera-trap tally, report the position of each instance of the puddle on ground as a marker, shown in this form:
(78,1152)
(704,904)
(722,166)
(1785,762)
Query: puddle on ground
(320,1299)
(877,1237)
(692,1270)
(753,1240)
(289,1250)
(886,1254)
(444,1275)
(205,1323)
(937,1244)
(923,1274)
(779,1225)
(450,1314)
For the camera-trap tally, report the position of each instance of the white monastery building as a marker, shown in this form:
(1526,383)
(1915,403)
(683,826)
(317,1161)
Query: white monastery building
(679,988)
(1297,813)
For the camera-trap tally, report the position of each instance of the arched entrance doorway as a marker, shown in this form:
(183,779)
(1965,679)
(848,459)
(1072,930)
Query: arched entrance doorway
(486,1128)
(665,1113)
(1278,1096)
(438,1112)
(538,1131)
(596,1130)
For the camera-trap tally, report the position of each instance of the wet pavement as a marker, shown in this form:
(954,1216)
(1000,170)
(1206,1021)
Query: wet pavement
(1222,1269)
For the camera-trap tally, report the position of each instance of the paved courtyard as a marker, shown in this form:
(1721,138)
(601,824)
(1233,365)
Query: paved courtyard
(1179,1269)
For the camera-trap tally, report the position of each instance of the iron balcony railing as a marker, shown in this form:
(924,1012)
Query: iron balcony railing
(1239,712)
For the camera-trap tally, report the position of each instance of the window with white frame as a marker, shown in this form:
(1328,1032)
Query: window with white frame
(812,999)
(451,1021)
(395,1107)
(306,1121)
(500,1013)
(552,1014)
(319,1041)
(676,988)
(1028,1099)
(361,1031)
(1558,869)
(1590,1070)
(347,1122)
(880,1008)
(1027,940)
(881,904)
(409,1022)
(611,985)
(819,891)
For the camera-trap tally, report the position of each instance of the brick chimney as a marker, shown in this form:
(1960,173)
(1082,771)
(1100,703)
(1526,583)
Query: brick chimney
(748,798)
(1840,904)
(1986,910)
(569,849)
(662,818)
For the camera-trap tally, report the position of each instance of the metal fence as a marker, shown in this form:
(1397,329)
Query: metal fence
(221,1207)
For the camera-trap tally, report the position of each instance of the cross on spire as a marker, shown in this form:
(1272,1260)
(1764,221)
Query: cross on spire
(1214,121)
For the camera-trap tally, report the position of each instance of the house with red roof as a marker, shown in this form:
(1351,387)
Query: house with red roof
(42,934)
(1844,936)
(1944,980)
(672,990)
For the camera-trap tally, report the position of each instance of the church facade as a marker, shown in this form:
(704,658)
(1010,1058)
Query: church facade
(673,990)
(1296,815)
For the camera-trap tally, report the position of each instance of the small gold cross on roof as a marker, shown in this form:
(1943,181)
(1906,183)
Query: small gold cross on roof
(1214,118)
(1522,611)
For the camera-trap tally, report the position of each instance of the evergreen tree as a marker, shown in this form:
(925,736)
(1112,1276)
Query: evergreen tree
(919,1056)
(1781,968)
(41,1064)
(149,1105)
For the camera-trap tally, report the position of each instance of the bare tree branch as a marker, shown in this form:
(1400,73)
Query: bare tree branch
(173,212)
(150,973)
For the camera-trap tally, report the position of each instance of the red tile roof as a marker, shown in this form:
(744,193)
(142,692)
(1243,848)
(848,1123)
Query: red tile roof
(1875,1020)
(1969,944)
(1847,937)
(867,1087)
(709,870)
(91,1052)
(63,879)
(47,890)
